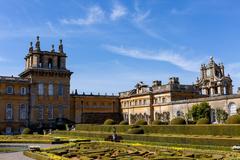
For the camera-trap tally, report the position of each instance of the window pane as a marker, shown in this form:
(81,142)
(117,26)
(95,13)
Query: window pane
(40,89)
(23,111)
(9,90)
(40,115)
(60,89)
(60,111)
(50,112)
(23,90)
(50,89)
(9,111)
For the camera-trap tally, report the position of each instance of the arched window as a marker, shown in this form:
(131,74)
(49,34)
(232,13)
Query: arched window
(23,112)
(9,112)
(50,63)
(232,109)
(23,91)
(50,89)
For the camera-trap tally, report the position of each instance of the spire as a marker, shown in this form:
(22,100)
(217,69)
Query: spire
(52,50)
(31,47)
(37,45)
(60,47)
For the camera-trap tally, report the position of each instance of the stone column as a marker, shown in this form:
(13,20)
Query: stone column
(212,91)
(219,90)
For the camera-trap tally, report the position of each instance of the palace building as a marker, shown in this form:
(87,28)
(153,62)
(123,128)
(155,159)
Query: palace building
(40,96)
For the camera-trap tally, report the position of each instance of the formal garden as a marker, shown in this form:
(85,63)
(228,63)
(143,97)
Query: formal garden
(175,139)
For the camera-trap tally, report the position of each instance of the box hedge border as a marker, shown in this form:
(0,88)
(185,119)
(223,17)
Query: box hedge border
(158,138)
(227,130)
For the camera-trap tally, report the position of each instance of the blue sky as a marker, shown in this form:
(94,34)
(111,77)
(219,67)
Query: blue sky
(111,45)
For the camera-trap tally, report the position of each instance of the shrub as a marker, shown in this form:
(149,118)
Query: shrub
(138,130)
(158,122)
(123,123)
(234,119)
(141,122)
(191,122)
(203,121)
(201,110)
(26,131)
(109,122)
(178,120)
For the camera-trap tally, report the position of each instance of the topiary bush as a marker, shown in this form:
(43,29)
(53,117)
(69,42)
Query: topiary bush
(141,122)
(158,122)
(203,121)
(234,119)
(123,123)
(178,121)
(109,122)
(135,129)
(26,131)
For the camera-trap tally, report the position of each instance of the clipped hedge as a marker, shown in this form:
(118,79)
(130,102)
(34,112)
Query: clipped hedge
(178,120)
(203,121)
(213,129)
(26,131)
(109,122)
(141,122)
(135,131)
(234,119)
(158,122)
(159,138)
(123,123)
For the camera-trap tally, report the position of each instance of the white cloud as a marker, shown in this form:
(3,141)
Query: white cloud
(162,55)
(95,14)
(118,11)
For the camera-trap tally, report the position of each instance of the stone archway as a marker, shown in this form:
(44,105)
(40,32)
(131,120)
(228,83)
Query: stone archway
(232,109)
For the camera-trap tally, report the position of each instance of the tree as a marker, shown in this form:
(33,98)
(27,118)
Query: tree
(221,115)
(201,110)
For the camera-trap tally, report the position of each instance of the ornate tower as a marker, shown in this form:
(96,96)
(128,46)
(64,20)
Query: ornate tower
(213,80)
(50,84)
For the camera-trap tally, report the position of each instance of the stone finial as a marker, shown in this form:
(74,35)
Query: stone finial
(76,92)
(37,45)
(52,50)
(60,47)
(31,47)
(211,59)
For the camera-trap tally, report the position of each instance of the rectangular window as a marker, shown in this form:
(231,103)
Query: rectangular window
(40,89)
(9,112)
(50,112)
(23,111)
(40,112)
(60,111)
(50,89)
(9,90)
(23,91)
(60,89)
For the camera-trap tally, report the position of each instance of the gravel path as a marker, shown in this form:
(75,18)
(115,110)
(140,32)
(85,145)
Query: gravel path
(19,155)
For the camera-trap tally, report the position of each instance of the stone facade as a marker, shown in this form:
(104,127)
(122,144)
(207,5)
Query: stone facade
(94,108)
(164,102)
(41,94)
